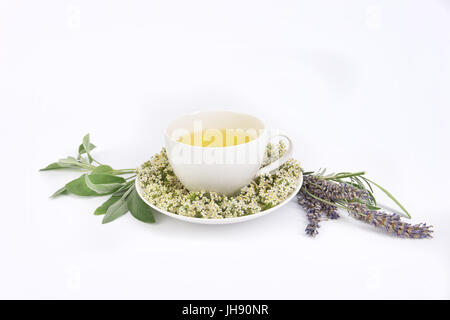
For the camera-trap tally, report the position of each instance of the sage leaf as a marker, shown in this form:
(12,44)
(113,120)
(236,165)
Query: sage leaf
(139,209)
(102,188)
(80,188)
(58,192)
(115,211)
(87,147)
(82,150)
(103,169)
(69,162)
(103,178)
(105,205)
(124,188)
(86,142)
(53,166)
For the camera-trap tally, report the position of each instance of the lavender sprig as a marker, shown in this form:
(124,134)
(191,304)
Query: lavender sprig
(313,210)
(321,195)
(390,222)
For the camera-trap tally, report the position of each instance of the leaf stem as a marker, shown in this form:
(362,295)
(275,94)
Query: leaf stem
(345,175)
(100,164)
(124,171)
(391,196)
(324,201)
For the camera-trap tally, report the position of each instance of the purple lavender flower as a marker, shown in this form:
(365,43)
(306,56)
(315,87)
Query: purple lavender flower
(333,191)
(356,201)
(330,211)
(313,209)
(390,222)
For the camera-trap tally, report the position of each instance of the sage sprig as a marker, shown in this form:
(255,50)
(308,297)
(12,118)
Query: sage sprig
(99,180)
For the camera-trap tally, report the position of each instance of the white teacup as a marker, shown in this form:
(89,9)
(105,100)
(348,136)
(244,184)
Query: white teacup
(221,169)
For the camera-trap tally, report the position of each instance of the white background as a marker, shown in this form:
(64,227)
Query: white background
(357,84)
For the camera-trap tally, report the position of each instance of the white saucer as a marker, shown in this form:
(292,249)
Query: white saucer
(221,221)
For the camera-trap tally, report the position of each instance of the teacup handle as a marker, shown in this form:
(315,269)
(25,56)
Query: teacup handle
(277,163)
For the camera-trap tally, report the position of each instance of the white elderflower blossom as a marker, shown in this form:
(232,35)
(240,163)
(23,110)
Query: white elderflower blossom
(163,189)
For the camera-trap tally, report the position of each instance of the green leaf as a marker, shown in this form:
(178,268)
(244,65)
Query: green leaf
(80,188)
(368,183)
(87,147)
(115,211)
(367,204)
(103,169)
(86,142)
(118,209)
(69,162)
(391,196)
(103,178)
(358,182)
(53,166)
(371,207)
(124,188)
(105,205)
(102,188)
(139,209)
(58,192)
(82,150)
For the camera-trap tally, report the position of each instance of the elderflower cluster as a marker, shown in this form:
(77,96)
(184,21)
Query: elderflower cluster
(163,189)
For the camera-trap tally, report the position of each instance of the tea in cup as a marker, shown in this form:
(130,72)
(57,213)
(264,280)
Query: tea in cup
(219,151)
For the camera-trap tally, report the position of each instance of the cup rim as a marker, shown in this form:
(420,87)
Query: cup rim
(167,136)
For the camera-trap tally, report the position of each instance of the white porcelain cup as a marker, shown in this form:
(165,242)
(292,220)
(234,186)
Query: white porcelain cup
(221,169)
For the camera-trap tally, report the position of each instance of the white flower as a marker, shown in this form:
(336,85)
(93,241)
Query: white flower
(163,189)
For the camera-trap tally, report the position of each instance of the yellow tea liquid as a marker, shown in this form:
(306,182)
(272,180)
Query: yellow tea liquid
(218,137)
